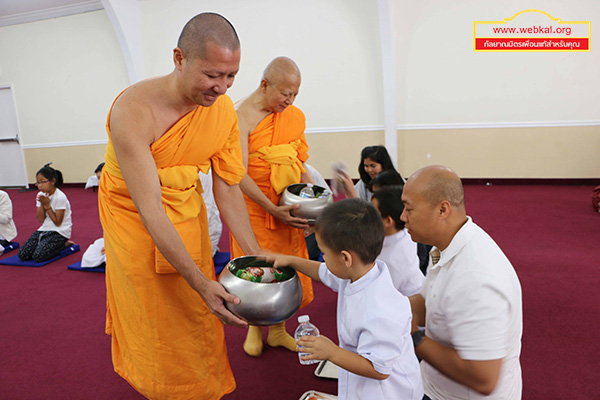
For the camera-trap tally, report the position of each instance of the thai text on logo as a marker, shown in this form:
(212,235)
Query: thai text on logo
(531,30)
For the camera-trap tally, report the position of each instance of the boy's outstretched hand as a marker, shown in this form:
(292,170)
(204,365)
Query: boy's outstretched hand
(319,347)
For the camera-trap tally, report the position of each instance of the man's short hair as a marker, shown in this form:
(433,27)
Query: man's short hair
(204,28)
(388,177)
(389,203)
(352,225)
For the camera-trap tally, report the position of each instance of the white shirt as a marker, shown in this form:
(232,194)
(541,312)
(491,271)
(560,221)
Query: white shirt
(374,321)
(317,177)
(92,182)
(93,256)
(399,253)
(58,201)
(8,230)
(362,192)
(215,225)
(473,302)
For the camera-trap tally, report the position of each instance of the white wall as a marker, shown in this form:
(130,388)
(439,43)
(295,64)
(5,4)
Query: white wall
(441,80)
(65,73)
(335,43)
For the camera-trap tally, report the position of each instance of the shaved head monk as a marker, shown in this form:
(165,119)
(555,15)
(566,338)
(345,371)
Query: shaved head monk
(470,304)
(165,309)
(274,151)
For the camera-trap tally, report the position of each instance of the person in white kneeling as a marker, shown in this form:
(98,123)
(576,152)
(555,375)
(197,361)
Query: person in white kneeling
(8,230)
(95,255)
(215,225)
(470,304)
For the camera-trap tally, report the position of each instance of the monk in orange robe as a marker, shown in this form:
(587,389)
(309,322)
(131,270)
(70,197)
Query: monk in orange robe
(274,150)
(164,307)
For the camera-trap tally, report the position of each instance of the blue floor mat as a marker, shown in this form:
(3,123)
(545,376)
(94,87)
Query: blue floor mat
(77,267)
(16,261)
(221,259)
(12,246)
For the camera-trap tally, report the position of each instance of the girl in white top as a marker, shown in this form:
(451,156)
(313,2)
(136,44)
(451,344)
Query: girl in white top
(54,212)
(373,160)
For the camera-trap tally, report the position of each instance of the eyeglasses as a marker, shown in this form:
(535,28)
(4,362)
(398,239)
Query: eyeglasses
(39,183)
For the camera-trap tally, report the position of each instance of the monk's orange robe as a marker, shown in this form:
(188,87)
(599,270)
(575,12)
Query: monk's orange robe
(165,341)
(276,150)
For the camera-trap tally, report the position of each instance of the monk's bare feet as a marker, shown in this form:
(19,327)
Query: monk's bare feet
(69,243)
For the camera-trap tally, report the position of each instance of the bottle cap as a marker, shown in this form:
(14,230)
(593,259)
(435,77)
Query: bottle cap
(303,318)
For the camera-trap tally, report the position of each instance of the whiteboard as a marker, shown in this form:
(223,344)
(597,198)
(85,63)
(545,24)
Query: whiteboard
(12,159)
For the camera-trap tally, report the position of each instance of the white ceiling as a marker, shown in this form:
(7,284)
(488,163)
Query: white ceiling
(14,12)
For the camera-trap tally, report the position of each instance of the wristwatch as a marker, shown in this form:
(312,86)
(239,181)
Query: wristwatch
(418,337)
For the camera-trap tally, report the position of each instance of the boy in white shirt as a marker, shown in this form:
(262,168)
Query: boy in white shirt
(375,356)
(399,252)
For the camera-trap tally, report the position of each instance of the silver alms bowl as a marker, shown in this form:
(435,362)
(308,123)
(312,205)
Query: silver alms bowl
(309,208)
(261,303)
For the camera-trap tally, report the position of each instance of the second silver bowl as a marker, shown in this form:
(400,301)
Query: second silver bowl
(309,208)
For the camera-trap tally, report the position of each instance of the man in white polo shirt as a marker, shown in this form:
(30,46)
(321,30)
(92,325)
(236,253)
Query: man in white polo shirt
(470,304)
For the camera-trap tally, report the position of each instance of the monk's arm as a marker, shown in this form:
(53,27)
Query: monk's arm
(252,190)
(132,128)
(233,209)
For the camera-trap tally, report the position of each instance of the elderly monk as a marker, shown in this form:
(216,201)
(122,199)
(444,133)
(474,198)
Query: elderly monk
(165,309)
(470,303)
(274,150)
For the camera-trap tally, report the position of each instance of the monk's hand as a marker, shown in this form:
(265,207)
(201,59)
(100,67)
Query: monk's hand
(214,295)
(282,213)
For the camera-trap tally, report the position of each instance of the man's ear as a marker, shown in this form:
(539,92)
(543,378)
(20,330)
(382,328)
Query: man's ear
(388,221)
(347,257)
(263,85)
(178,58)
(444,209)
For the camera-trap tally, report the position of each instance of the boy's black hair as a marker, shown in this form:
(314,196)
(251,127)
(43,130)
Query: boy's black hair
(380,155)
(389,202)
(99,168)
(352,225)
(50,173)
(389,177)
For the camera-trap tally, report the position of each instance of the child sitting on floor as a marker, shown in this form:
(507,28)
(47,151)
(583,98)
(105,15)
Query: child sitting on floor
(8,230)
(54,212)
(375,355)
(399,252)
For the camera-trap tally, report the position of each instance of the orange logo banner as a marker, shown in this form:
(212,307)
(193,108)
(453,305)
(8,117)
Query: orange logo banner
(531,30)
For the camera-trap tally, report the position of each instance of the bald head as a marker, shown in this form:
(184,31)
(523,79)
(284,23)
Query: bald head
(205,28)
(438,183)
(281,69)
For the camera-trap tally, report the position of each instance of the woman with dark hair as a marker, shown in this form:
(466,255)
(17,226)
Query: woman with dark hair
(54,212)
(373,160)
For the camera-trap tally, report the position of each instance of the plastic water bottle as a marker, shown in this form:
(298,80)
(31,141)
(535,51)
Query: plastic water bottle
(305,329)
(307,192)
